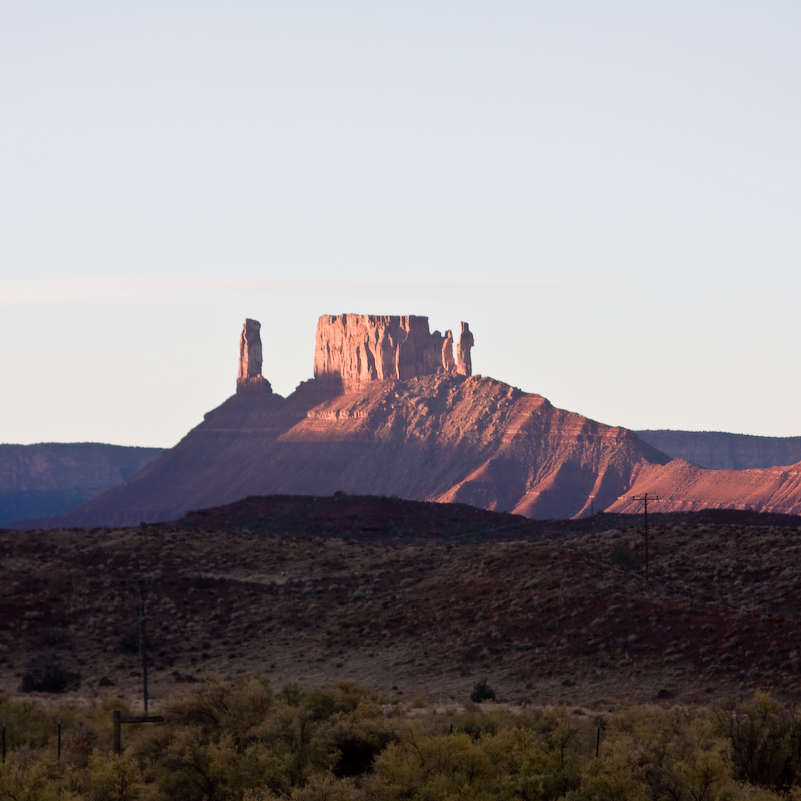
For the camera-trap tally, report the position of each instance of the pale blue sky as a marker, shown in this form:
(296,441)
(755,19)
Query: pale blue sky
(609,192)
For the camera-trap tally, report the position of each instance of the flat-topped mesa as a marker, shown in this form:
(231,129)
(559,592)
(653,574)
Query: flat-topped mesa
(368,347)
(250,377)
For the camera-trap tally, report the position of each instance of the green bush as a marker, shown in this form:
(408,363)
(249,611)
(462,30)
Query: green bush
(482,692)
(242,742)
(625,557)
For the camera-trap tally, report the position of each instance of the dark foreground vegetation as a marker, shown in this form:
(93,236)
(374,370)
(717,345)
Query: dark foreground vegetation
(562,619)
(247,742)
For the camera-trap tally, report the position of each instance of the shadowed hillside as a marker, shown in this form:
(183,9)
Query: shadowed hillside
(451,438)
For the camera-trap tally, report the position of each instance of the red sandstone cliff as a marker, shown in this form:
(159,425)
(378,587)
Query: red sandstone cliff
(684,487)
(390,412)
(444,438)
(355,348)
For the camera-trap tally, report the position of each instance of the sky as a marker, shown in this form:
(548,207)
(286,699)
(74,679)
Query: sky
(608,192)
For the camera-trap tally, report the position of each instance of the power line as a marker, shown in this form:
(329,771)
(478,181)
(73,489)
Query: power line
(644,499)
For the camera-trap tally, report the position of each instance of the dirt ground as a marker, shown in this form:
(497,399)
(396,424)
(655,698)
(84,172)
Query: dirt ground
(565,618)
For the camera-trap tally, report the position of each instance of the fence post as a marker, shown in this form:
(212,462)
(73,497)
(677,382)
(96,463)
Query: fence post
(117,735)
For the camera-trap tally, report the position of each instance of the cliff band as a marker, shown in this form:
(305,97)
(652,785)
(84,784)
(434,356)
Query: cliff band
(366,347)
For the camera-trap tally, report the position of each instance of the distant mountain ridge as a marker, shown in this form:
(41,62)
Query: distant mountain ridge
(721,451)
(38,481)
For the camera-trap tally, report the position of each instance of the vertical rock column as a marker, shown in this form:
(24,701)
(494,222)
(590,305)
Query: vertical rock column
(464,364)
(250,376)
(448,364)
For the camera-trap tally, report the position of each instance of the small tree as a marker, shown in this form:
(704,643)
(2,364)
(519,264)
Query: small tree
(482,692)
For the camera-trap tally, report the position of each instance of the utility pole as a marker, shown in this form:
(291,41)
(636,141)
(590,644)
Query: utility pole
(644,499)
(141,614)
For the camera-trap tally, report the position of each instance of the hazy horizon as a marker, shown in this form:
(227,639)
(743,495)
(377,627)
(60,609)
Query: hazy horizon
(608,193)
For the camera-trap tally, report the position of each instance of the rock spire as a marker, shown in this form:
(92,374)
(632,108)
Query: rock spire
(464,364)
(250,376)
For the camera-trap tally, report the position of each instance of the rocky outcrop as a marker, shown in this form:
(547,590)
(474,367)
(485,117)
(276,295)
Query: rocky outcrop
(464,364)
(412,423)
(448,365)
(250,359)
(441,438)
(684,487)
(356,348)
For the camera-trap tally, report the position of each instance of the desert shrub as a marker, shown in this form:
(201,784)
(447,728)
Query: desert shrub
(242,742)
(765,739)
(482,692)
(114,777)
(538,771)
(509,765)
(224,739)
(291,694)
(323,702)
(24,775)
(682,758)
(432,767)
(616,777)
(359,736)
(216,708)
(129,639)
(55,637)
(203,582)
(46,674)
(624,556)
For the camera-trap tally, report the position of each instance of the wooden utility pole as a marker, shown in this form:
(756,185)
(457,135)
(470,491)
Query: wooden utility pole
(141,611)
(645,499)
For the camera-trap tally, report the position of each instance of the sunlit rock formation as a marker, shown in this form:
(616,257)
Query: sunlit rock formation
(464,364)
(360,347)
(250,377)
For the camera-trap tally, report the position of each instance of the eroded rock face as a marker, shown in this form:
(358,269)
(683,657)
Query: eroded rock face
(361,347)
(250,358)
(464,364)
(448,365)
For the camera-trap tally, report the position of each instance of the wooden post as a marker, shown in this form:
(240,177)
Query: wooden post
(143,641)
(117,734)
(58,721)
(119,720)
